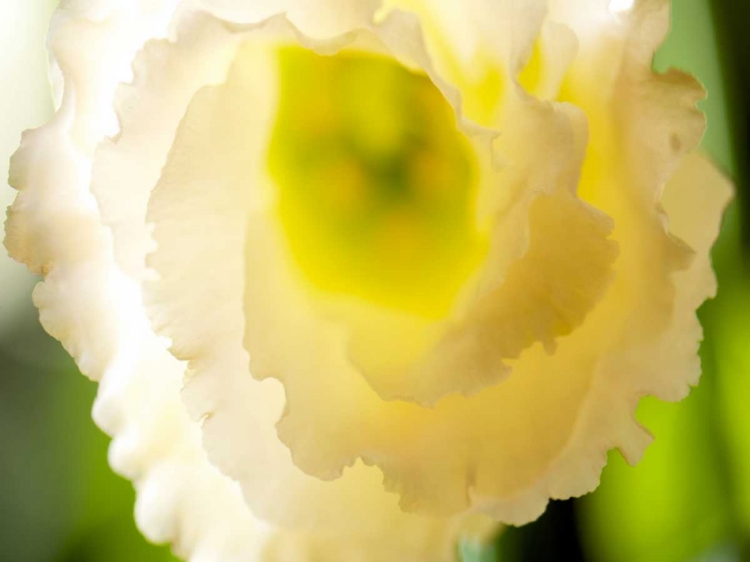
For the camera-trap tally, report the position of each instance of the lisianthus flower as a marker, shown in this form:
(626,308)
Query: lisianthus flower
(361,279)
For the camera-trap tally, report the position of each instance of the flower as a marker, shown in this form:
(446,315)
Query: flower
(361,280)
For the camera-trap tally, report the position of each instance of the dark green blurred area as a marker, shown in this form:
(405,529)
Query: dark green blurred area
(59,500)
(688,500)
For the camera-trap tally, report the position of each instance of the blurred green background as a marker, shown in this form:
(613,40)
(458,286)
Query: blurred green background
(688,501)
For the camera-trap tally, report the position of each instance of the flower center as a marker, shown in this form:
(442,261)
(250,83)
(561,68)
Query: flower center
(376,185)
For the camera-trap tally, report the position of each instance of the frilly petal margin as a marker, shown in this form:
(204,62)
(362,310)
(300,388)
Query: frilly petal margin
(91,301)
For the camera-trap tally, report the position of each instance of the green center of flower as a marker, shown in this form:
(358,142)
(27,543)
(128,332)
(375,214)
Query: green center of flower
(376,184)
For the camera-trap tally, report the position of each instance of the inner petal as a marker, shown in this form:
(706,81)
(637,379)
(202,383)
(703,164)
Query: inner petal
(376,186)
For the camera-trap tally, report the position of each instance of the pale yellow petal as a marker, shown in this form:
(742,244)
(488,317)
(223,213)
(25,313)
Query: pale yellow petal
(314,18)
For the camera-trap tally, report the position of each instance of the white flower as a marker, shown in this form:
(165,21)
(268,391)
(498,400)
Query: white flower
(360,280)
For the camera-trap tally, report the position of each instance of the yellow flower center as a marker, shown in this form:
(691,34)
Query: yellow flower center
(376,185)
